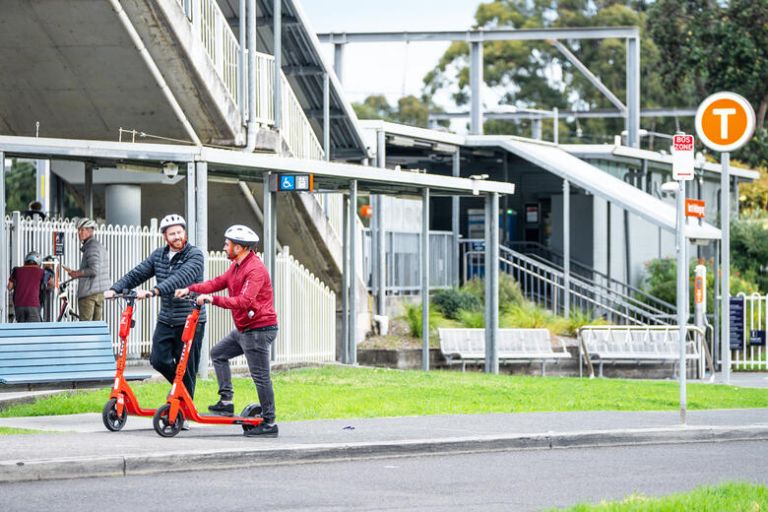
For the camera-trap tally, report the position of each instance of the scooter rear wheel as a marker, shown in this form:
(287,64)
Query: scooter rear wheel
(163,426)
(250,411)
(109,416)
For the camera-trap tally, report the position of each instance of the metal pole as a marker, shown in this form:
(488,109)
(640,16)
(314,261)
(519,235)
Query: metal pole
(725,266)
(567,248)
(352,272)
(89,190)
(267,246)
(4,256)
(326,117)
(682,286)
(277,31)
(343,350)
(455,205)
(536,129)
(381,244)
(492,283)
(201,204)
(476,85)
(555,125)
(716,304)
(191,206)
(250,144)
(338,61)
(242,71)
(633,91)
(424,272)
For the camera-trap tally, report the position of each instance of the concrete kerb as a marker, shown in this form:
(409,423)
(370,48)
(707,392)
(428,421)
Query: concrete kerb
(74,467)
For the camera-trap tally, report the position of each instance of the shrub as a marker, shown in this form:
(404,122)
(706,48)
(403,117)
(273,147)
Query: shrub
(472,319)
(452,300)
(510,293)
(413,319)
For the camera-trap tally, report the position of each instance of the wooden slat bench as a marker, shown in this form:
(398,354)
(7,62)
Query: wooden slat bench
(50,352)
(636,345)
(462,346)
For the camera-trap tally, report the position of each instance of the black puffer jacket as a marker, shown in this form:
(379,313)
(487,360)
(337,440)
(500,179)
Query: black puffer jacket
(186,267)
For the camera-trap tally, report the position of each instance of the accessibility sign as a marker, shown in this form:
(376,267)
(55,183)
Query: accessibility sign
(725,121)
(291,183)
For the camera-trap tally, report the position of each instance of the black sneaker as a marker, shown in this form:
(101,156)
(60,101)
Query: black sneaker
(262,430)
(222,409)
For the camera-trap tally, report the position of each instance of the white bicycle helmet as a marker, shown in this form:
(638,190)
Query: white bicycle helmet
(172,220)
(32,257)
(242,235)
(86,223)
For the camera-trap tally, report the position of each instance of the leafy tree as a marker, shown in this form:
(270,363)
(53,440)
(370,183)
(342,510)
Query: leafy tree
(708,46)
(374,107)
(410,110)
(20,186)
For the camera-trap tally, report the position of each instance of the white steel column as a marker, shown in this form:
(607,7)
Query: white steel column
(277,30)
(326,117)
(633,91)
(338,61)
(425,279)
(4,253)
(380,258)
(344,349)
(352,348)
(566,248)
(491,282)
(88,190)
(201,177)
(190,212)
(455,205)
(476,87)
(725,267)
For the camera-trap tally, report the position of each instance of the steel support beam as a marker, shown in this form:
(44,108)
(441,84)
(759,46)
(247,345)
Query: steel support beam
(491,283)
(326,117)
(352,272)
(535,34)
(566,248)
(277,31)
(344,348)
(338,61)
(4,249)
(566,114)
(190,211)
(633,91)
(88,190)
(242,72)
(424,273)
(201,236)
(380,258)
(267,246)
(455,205)
(476,86)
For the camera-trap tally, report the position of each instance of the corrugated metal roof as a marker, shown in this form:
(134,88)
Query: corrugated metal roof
(584,175)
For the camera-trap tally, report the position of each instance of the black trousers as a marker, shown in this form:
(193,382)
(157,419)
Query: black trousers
(166,352)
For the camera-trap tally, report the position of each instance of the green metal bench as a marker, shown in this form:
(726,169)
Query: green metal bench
(49,352)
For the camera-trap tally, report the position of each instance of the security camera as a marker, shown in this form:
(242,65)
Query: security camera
(669,187)
(170,170)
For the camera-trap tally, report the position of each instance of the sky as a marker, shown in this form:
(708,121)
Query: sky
(392,69)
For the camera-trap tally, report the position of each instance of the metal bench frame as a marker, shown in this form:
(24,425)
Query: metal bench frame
(50,352)
(462,346)
(638,344)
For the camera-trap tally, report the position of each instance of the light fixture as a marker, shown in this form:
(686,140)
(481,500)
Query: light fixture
(170,169)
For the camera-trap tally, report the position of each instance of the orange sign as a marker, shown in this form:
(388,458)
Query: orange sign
(694,208)
(725,121)
(699,290)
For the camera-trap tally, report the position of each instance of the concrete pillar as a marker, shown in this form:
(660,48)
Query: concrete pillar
(123,204)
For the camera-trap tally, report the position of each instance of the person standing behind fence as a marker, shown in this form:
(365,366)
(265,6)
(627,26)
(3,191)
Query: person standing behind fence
(176,265)
(93,273)
(26,283)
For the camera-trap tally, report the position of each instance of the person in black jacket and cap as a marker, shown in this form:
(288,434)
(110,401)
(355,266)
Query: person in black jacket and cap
(177,265)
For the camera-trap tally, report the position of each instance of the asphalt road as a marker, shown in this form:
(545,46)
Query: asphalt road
(519,480)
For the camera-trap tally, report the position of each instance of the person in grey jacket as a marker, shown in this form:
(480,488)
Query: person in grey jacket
(93,274)
(177,265)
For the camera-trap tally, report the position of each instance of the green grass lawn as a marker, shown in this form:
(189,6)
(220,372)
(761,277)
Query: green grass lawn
(732,497)
(344,392)
(6,431)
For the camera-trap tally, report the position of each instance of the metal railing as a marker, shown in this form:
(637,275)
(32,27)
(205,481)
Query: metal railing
(554,259)
(748,347)
(305,307)
(223,48)
(545,286)
(403,260)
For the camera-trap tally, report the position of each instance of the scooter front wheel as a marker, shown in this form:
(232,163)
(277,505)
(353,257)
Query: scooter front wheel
(162,424)
(111,419)
(250,411)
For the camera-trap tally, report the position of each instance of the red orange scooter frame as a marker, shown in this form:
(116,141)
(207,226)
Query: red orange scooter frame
(169,417)
(122,401)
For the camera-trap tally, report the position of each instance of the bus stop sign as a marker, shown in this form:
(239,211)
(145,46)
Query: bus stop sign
(725,121)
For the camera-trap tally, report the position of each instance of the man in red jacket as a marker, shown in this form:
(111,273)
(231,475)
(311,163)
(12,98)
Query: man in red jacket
(251,302)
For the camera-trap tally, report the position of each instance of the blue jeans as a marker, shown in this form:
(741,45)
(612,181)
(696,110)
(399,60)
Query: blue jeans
(256,347)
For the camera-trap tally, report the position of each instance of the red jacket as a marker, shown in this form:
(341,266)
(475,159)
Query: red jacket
(250,293)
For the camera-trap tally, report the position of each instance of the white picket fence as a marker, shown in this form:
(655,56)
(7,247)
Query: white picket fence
(752,353)
(306,308)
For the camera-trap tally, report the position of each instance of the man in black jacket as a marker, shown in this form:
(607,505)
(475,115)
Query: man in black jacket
(177,265)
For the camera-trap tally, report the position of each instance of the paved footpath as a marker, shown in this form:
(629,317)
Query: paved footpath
(83,448)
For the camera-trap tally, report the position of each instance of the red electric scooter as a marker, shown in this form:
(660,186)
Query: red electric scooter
(179,406)
(122,401)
